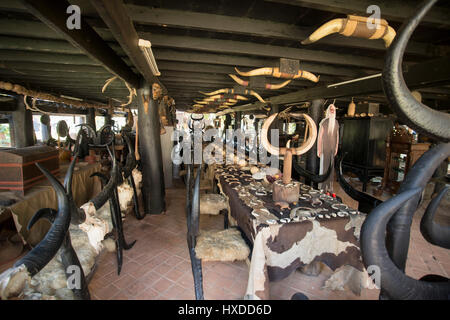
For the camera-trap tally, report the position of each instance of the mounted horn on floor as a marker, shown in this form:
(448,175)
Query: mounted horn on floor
(432,231)
(416,115)
(13,280)
(355,26)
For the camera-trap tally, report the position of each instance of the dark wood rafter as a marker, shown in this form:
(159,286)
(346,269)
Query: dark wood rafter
(396,10)
(258,28)
(53,14)
(114,14)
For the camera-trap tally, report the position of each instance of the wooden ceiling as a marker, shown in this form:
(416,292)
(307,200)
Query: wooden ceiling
(198,43)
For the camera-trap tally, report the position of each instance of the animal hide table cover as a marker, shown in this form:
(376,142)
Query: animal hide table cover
(320,229)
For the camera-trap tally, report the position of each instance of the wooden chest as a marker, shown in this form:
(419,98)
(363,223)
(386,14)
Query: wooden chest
(18,170)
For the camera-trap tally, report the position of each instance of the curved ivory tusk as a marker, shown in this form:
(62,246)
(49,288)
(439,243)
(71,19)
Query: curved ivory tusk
(297,151)
(238,97)
(326,29)
(201,102)
(270,86)
(239,80)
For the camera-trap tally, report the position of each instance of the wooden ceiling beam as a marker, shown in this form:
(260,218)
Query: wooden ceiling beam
(53,14)
(145,15)
(114,14)
(395,10)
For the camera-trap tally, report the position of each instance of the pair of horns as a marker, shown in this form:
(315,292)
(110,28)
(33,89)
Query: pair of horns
(275,72)
(247,92)
(312,129)
(268,86)
(354,26)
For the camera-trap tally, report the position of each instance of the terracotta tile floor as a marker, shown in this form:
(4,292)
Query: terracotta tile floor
(158,266)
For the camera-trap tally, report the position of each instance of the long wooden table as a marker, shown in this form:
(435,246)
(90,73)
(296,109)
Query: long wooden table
(287,236)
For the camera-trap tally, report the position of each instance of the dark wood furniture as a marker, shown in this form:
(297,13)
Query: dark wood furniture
(363,140)
(18,170)
(401,153)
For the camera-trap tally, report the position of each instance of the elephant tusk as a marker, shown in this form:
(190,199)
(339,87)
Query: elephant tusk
(256,72)
(256,95)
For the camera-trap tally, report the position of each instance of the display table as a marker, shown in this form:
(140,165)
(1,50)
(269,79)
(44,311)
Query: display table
(283,241)
(42,195)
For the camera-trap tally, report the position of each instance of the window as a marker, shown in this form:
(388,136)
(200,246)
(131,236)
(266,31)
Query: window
(99,122)
(119,122)
(72,122)
(5,136)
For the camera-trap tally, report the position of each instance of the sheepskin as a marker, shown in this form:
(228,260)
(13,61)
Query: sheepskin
(51,282)
(224,245)
(125,192)
(211,203)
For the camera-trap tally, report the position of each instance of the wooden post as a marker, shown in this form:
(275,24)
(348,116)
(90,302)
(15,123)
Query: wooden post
(22,124)
(153,192)
(90,118)
(315,111)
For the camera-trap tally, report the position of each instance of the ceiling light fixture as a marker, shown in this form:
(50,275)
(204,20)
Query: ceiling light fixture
(146,48)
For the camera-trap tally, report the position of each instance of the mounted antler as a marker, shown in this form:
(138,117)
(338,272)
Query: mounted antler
(355,26)
(415,114)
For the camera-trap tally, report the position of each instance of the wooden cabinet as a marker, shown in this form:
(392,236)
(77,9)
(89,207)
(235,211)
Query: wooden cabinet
(363,139)
(401,153)
(18,170)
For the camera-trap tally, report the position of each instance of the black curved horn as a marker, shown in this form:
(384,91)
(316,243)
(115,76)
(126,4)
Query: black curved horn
(366,202)
(433,232)
(108,190)
(398,231)
(412,112)
(394,283)
(78,216)
(317,178)
(45,250)
(69,257)
(130,162)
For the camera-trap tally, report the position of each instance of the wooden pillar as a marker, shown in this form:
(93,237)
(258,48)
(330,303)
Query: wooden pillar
(315,111)
(22,125)
(153,192)
(238,120)
(90,118)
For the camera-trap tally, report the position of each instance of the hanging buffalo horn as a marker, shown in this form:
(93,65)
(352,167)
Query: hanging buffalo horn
(399,226)
(295,151)
(217,92)
(45,250)
(355,26)
(394,282)
(271,86)
(415,114)
(78,216)
(433,232)
(68,255)
(366,203)
(317,178)
(239,80)
(128,174)
(275,72)
(97,135)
